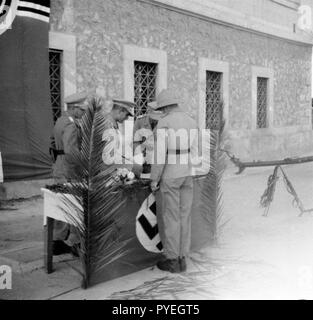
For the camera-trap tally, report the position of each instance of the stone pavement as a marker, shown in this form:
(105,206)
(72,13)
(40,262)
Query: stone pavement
(256,258)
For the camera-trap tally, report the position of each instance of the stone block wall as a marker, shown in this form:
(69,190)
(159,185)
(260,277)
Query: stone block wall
(102,27)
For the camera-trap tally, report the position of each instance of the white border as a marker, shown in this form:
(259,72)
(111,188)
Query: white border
(33,6)
(32,15)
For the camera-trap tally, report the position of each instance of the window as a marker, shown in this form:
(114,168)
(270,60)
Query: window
(145,77)
(55,57)
(262,89)
(214,100)
(262,101)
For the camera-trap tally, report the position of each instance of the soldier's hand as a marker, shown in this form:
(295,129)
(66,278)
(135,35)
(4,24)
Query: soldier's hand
(154,186)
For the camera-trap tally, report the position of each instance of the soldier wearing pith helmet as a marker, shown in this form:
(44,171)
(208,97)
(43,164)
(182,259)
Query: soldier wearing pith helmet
(174,180)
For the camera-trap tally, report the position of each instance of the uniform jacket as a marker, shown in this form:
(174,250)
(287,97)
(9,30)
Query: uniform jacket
(175,153)
(144,137)
(67,137)
(112,137)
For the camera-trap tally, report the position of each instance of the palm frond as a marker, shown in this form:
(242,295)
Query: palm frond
(212,194)
(95,210)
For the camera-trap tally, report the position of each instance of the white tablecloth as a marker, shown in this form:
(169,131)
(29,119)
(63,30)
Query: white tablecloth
(54,207)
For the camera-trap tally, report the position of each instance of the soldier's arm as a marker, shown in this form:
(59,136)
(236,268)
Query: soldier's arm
(52,148)
(160,151)
(136,135)
(70,142)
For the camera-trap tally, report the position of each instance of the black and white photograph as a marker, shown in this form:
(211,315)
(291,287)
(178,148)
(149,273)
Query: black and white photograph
(156,150)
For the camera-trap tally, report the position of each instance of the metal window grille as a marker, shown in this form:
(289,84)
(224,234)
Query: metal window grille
(214,100)
(145,85)
(262,85)
(55,82)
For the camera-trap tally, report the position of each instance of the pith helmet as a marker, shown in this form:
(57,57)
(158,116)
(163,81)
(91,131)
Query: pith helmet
(152,112)
(166,98)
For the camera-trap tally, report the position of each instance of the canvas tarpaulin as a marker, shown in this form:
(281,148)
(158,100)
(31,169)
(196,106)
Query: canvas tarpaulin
(25,112)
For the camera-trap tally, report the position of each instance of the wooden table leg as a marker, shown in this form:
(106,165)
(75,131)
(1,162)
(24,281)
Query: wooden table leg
(48,243)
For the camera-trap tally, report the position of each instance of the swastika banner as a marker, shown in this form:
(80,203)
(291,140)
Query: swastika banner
(146,226)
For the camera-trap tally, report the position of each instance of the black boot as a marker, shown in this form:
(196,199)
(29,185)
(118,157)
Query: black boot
(75,250)
(60,247)
(182,264)
(171,265)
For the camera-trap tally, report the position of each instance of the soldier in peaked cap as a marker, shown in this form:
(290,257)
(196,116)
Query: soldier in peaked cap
(120,112)
(175,180)
(65,141)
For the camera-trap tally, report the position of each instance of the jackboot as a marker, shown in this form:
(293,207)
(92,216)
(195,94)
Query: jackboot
(171,265)
(182,264)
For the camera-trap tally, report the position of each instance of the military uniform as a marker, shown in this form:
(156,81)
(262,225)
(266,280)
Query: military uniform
(67,139)
(176,186)
(110,151)
(144,137)
(144,129)
(65,142)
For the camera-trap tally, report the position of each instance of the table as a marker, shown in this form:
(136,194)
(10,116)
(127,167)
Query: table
(138,258)
(53,208)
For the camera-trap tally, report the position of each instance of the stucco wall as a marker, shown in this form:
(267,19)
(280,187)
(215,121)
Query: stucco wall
(102,27)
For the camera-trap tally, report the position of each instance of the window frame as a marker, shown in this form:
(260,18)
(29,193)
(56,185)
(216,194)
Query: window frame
(133,53)
(67,44)
(156,75)
(268,73)
(266,106)
(220,93)
(206,64)
(61,80)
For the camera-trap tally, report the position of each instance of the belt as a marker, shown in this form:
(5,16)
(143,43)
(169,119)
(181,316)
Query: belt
(59,152)
(179,151)
(55,153)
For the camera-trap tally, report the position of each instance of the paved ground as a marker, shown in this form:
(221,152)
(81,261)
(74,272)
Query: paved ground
(257,257)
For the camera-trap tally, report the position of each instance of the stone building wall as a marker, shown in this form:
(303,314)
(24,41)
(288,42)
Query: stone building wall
(102,27)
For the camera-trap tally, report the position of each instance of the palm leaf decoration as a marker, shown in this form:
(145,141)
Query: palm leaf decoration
(212,195)
(95,201)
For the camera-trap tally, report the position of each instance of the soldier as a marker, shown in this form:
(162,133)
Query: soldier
(144,136)
(175,181)
(65,142)
(119,113)
(144,128)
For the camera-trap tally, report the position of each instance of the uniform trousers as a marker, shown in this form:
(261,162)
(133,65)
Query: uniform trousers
(177,196)
(64,231)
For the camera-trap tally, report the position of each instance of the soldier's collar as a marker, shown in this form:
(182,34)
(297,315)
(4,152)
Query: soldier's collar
(115,125)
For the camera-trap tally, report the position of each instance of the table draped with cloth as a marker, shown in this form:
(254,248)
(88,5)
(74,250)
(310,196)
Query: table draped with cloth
(139,226)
